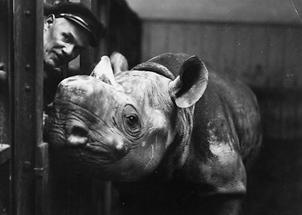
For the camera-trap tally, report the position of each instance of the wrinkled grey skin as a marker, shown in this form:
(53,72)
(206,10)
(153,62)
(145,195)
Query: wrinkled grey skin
(174,137)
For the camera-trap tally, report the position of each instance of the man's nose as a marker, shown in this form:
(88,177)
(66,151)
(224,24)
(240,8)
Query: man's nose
(68,50)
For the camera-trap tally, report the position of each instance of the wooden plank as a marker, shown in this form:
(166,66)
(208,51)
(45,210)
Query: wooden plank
(26,102)
(42,186)
(293,55)
(159,38)
(291,76)
(201,48)
(175,37)
(226,60)
(4,188)
(298,67)
(276,54)
(211,44)
(243,53)
(146,37)
(193,36)
(275,67)
(259,50)
(5,153)
(4,66)
(299,121)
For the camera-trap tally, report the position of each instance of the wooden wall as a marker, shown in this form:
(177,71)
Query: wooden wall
(4,107)
(4,65)
(262,55)
(265,56)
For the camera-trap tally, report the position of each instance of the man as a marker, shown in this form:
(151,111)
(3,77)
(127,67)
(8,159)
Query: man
(68,29)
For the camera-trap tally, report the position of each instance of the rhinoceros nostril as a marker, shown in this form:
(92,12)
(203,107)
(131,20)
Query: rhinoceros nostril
(78,130)
(78,136)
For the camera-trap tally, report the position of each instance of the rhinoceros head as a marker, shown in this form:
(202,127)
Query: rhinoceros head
(120,126)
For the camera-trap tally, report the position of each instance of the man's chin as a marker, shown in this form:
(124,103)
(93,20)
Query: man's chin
(51,69)
(52,64)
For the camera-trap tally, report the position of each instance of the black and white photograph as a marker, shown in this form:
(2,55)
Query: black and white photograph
(150,107)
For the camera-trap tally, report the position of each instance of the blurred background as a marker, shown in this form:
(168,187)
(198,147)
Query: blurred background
(257,41)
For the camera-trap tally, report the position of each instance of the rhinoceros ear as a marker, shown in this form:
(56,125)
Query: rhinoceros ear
(119,62)
(103,71)
(191,83)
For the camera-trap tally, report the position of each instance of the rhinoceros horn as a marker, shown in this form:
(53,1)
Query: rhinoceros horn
(119,62)
(103,71)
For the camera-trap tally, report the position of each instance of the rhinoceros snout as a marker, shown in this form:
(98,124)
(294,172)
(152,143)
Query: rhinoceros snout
(118,145)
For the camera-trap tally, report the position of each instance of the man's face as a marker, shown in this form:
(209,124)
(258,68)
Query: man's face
(63,41)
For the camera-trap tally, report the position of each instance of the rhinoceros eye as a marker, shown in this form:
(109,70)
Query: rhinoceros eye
(131,121)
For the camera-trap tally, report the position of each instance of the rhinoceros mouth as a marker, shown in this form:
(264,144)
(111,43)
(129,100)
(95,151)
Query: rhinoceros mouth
(107,152)
(91,152)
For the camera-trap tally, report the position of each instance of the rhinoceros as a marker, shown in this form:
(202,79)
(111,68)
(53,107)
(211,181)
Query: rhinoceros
(173,136)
